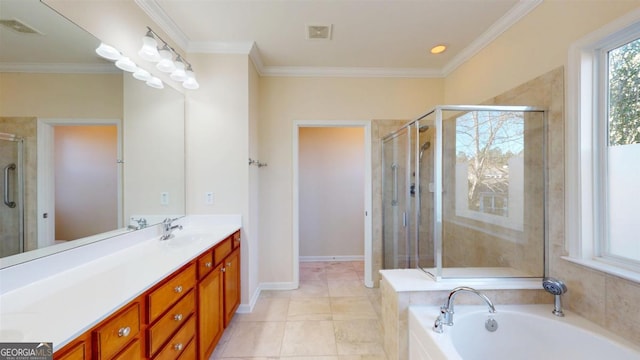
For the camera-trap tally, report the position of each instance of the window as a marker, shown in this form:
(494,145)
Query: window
(603,149)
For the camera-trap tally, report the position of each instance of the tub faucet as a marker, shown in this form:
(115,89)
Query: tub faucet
(446,310)
(167,228)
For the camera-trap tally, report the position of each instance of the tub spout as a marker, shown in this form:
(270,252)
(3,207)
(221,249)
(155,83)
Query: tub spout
(446,310)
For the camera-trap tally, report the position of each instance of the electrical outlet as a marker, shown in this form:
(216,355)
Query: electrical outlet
(208,198)
(164,198)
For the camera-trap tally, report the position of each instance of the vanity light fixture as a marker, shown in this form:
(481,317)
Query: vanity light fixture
(142,74)
(438,49)
(108,52)
(179,74)
(168,60)
(154,82)
(124,63)
(191,82)
(149,50)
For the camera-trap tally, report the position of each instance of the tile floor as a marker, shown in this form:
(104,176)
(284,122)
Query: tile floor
(332,316)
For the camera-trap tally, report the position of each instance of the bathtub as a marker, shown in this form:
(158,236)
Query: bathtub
(525,332)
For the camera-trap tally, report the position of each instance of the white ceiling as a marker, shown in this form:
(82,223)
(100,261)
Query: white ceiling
(384,37)
(370,37)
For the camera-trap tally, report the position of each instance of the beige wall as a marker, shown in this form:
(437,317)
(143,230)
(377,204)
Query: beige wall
(284,100)
(537,44)
(217,147)
(153,151)
(331,200)
(89,96)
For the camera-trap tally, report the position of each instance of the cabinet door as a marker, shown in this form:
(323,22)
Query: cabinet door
(210,312)
(77,352)
(231,285)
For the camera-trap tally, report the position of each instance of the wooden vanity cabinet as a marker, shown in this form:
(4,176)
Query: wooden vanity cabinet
(182,317)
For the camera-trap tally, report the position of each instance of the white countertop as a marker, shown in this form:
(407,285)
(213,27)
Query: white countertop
(61,307)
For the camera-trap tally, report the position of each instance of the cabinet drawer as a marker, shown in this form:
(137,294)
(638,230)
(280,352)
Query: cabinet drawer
(132,352)
(76,353)
(117,331)
(205,264)
(222,250)
(170,322)
(166,295)
(190,352)
(236,239)
(179,342)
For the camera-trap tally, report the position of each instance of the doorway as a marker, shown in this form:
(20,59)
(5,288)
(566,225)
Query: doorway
(80,180)
(325,193)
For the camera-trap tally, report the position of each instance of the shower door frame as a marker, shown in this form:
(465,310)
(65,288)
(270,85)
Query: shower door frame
(19,203)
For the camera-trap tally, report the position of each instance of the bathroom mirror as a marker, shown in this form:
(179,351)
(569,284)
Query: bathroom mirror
(51,80)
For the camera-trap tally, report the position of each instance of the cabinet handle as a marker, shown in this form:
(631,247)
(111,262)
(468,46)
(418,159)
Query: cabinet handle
(177,317)
(178,289)
(223,269)
(177,347)
(124,332)
(208,264)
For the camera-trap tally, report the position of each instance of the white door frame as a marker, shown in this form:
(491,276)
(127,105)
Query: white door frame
(368,247)
(46,175)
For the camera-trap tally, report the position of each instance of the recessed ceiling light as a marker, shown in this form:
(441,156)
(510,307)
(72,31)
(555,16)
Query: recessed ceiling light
(438,49)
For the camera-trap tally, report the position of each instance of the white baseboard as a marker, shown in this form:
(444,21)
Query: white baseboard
(332,258)
(247,308)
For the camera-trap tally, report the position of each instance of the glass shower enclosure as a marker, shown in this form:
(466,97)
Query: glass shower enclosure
(464,193)
(12,207)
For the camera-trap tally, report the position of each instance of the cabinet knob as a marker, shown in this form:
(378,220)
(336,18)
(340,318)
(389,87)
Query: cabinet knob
(177,317)
(208,264)
(228,264)
(178,347)
(178,289)
(223,269)
(124,332)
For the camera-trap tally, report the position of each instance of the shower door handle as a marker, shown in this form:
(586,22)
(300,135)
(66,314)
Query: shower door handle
(394,197)
(7,201)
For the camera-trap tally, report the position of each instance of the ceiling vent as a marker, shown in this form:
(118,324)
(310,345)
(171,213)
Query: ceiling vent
(18,26)
(319,32)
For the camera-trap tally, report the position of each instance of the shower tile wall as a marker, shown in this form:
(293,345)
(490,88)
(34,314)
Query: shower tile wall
(25,127)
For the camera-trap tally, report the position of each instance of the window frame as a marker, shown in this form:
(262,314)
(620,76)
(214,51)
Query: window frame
(586,147)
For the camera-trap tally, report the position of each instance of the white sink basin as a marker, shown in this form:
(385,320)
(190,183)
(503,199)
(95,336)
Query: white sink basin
(179,240)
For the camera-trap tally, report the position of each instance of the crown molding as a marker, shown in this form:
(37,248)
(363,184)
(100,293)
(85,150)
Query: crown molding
(310,71)
(62,68)
(503,24)
(160,17)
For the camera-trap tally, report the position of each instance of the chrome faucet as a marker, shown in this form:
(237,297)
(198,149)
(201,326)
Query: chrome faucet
(142,223)
(556,288)
(167,228)
(446,310)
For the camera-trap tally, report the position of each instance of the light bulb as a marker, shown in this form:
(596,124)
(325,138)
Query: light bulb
(191,82)
(126,64)
(149,50)
(142,74)
(179,73)
(156,83)
(166,63)
(108,52)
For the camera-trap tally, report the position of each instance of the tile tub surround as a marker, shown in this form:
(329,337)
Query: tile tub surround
(79,294)
(400,289)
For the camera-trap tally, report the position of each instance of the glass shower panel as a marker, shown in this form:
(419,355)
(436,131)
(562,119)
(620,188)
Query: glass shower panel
(11,208)
(493,179)
(425,248)
(395,236)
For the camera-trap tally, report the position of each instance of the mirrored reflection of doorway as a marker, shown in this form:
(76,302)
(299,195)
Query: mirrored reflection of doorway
(12,184)
(81,179)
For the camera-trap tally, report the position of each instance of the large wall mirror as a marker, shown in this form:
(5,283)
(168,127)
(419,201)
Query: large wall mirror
(85,150)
